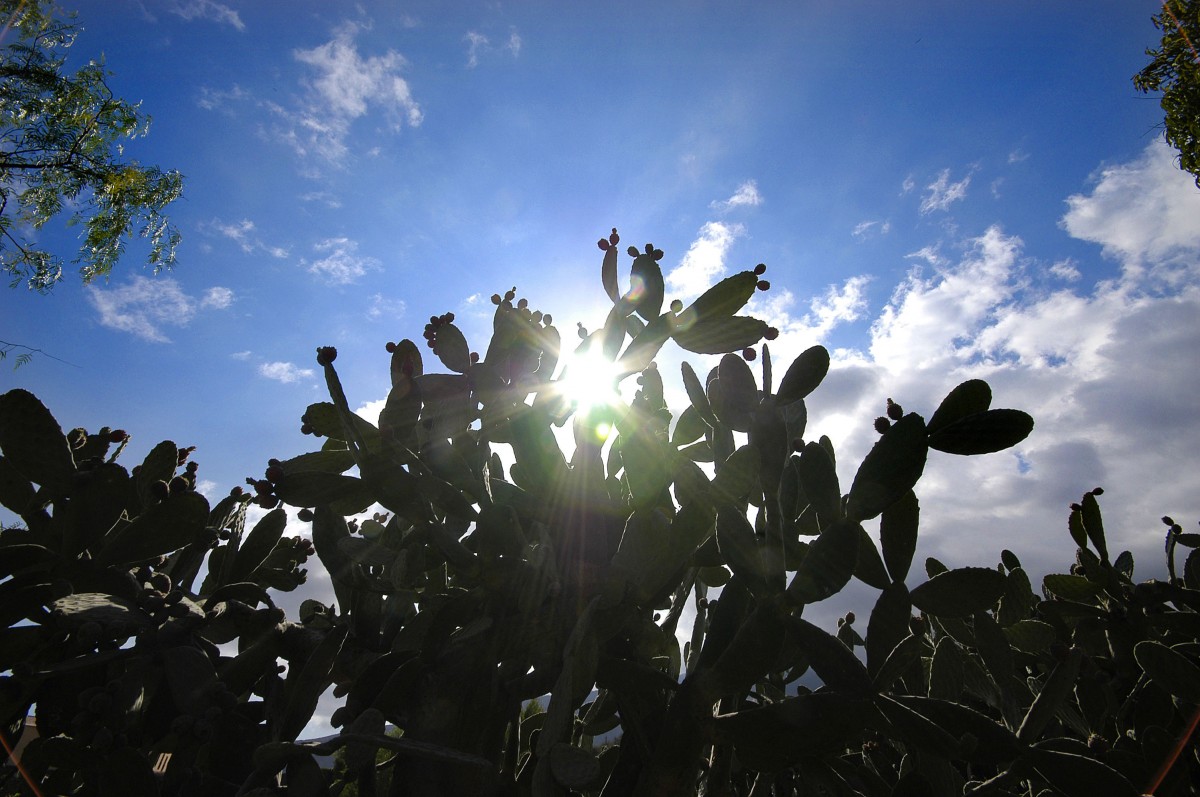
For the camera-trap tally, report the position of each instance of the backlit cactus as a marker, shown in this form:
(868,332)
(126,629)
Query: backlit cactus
(488,581)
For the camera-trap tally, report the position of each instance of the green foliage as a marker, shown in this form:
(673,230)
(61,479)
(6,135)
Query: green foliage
(60,147)
(489,587)
(1175,71)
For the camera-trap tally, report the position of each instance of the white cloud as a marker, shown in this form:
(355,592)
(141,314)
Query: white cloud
(370,411)
(475,42)
(908,185)
(1147,210)
(914,324)
(144,307)
(1103,367)
(930,254)
(326,198)
(217,298)
(704,260)
(343,87)
(479,46)
(839,305)
(942,193)
(284,372)
(382,307)
(207,9)
(244,234)
(241,355)
(863,228)
(347,83)
(217,100)
(341,266)
(208,489)
(1065,270)
(746,195)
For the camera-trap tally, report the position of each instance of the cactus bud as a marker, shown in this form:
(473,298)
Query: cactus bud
(1097,491)
(772,333)
(763,285)
(749,354)
(547,319)
(496,299)
(274,473)
(632,251)
(390,347)
(118,436)
(613,238)
(760,269)
(305,515)
(894,410)
(676,306)
(882,424)
(326,355)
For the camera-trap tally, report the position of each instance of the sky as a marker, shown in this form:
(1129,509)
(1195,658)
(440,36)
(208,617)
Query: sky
(941,191)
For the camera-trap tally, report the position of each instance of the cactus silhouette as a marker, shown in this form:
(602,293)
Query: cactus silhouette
(486,582)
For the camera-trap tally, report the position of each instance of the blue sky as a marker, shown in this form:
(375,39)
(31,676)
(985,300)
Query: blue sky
(940,190)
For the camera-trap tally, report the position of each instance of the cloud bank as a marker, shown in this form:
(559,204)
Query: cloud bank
(1107,370)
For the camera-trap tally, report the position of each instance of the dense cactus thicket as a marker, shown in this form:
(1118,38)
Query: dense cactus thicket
(140,620)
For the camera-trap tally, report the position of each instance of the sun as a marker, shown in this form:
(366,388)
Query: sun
(589,381)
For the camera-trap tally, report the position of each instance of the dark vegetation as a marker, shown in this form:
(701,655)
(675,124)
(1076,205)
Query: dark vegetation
(141,629)
(1174,70)
(141,621)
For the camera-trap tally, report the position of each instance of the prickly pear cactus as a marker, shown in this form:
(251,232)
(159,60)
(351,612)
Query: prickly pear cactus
(490,581)
(107,639)
(480,572)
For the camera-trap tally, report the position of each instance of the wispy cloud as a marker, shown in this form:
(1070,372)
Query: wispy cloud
(216,298)
(479,46)
(207,9)
(245,235)
(942,193)
(146,307)
(865,228)
(382,307)
(475,42)
(324,197)
(704,260)
(284,372)
(341,87)
(217,100)
(1065,270)
(746,195)
(341,265)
